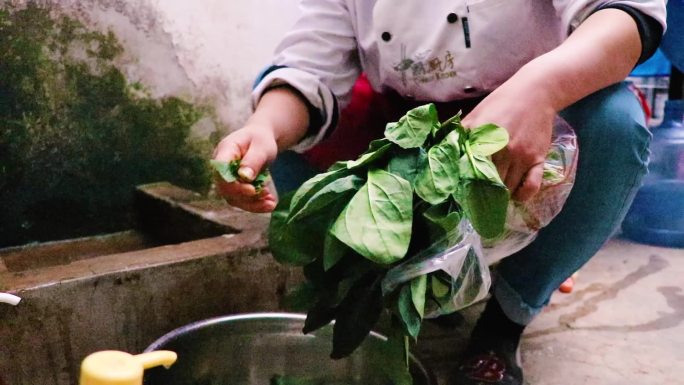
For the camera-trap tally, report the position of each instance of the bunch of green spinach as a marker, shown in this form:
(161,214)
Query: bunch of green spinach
(348,226)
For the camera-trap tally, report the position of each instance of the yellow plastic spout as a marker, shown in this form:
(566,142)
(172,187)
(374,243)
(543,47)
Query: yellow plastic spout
(163,358)
(119,368)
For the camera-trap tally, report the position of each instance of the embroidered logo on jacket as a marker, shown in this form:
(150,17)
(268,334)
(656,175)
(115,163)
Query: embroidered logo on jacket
(425,68)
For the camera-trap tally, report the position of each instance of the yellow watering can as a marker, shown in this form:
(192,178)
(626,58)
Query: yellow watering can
(119,368)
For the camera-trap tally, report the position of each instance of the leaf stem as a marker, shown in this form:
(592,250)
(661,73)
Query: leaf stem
(450,120)
(469,153)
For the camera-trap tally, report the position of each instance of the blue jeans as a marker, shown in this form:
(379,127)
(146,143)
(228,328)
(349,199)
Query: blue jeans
(613,145)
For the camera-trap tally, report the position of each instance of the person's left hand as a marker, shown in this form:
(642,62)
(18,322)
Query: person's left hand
(528,118)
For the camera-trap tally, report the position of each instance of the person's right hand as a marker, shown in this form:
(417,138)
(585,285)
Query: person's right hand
(280,120)
(255,146)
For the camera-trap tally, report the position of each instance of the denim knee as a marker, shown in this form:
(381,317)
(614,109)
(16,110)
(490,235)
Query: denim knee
(611,119)
(613,145)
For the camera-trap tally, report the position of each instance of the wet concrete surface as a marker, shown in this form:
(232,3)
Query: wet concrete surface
(622,324)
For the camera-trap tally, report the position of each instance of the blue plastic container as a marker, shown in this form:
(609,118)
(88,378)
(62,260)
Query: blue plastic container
(673,41)
(657,214)
(656,65)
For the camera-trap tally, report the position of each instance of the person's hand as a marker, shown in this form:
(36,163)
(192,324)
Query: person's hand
(600,52)
(529,121)
(255,146)
(281,119)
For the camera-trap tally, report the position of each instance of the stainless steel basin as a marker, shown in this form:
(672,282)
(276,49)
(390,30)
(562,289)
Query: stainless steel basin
(251,349)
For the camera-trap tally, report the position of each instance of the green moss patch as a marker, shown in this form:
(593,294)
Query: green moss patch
(76,137)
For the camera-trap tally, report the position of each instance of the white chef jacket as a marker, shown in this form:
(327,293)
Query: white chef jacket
(432,50)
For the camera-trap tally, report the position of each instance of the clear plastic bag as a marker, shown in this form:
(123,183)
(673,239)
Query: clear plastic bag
(463,266)
(525,219)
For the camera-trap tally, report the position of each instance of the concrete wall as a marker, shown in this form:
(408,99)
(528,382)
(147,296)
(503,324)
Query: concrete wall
(208,50)
(126,301)
(204,51)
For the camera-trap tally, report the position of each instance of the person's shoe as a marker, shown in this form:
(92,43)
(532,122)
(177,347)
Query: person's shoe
(493,355)
(493,366)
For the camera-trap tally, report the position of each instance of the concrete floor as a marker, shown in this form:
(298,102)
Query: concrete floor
(622,324)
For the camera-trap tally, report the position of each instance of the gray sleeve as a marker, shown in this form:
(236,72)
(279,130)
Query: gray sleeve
(319,59)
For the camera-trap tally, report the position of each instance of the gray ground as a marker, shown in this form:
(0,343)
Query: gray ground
(622,324)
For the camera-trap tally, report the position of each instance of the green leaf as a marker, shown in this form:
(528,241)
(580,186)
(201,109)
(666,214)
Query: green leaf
(357,315)
(289,244)
(302,298)
(315,274)
(352,266)
(482,195)
(376,150)
(333,251)
(323,311)
(377,221)
(553,174)
(440,178)
(453,124)
(439,288)
(443,290)
(444,215)
(329,281)
(321,314)
(418,288)
(325,192)
(260,180)
(485,203)
(392,357)
(227,170)
(377,145)
(345,286)
(487,139)
(340,165)
(555,154)
(407,311)
(413,128)
(307,190)
(407,163)
(466,170)
(485,169)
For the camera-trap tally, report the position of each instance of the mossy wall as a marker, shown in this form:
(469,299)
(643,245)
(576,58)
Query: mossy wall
(76,137)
